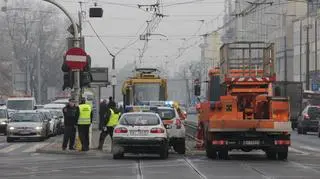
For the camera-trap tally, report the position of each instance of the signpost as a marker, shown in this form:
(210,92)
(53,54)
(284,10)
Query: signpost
(76,58)
(99,75)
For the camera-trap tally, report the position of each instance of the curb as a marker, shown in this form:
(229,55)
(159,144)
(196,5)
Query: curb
(66,152)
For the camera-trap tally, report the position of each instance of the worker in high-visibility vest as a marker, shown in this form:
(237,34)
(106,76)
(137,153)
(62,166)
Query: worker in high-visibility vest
(84,122)
(112,118)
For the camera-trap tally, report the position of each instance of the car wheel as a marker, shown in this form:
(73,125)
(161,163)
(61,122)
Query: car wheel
(180,147)
(164,153)
(9,139)
(118,156)
(223,154)
(299,130)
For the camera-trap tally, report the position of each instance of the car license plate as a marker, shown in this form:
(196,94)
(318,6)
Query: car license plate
(25,132)
(251,142)
(139,133)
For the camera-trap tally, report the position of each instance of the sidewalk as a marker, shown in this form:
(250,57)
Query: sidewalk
(55,147)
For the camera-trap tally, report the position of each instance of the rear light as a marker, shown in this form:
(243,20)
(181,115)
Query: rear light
(282,142)
(306,117)
(121,130)
(178,123)
(157,131)
(218,142)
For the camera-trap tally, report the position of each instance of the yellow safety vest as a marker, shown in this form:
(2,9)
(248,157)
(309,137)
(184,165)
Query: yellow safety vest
(85,114)
(113,121)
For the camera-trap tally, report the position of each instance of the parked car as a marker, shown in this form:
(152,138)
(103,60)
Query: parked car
(53,121)
(27,124)
(309,119)
(3,119)
(58,116)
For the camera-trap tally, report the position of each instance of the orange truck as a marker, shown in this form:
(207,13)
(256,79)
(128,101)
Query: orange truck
(242,112)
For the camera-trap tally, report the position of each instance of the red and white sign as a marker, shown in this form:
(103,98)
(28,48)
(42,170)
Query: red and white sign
(76,58)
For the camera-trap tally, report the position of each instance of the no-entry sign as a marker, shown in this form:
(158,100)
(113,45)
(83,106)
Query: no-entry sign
(76,58)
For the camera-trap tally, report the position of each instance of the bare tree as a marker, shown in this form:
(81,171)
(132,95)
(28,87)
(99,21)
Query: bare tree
(32,28)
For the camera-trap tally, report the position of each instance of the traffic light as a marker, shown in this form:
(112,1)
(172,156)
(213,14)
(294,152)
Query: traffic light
(68,80)
(85,79)
(197,90)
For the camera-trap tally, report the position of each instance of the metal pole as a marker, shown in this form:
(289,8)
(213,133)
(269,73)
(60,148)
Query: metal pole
(307,57)
(300,50)
(39,77)
(113,76)
(316,45)
(76,91)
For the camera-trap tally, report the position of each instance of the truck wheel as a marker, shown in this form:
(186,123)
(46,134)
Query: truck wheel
(271,155)
(9,139)
(210,151)
(223,154)
(180,147)
(283,154)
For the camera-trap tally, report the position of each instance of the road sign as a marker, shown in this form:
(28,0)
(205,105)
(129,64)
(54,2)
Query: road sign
(76,58)
(99,74)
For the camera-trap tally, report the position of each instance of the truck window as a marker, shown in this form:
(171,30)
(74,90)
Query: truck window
(146,92)
(20,104)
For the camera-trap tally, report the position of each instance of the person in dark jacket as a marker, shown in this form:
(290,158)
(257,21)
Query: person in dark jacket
(102,111)
(111,102)
(112,114)
(71,115)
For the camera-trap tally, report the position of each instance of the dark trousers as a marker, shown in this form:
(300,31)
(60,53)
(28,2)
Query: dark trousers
(84,136)
(69,136)
(103,136)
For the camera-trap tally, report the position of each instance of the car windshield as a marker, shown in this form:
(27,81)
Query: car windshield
(166,114)
(26,117)
(146,92)
(3,113)
(139,120)
(314,112)
(20,104)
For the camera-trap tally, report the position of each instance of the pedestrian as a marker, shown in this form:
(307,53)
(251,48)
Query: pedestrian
(111,120)
(84,122)
(111,102)
(71,115)
(102,112)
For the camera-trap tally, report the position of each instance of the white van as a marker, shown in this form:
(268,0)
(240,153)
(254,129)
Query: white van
(21,103)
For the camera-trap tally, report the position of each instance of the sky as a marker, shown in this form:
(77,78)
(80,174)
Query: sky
(123,22)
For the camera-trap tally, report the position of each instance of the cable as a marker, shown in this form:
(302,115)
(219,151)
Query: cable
(105,46)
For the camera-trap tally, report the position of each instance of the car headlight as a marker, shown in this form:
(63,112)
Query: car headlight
(3,122)
(38,128)
(11,128)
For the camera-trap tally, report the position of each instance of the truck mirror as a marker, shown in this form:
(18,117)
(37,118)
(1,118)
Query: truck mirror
(197,90)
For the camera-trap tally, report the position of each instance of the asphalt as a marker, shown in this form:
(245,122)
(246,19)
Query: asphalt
(21,160)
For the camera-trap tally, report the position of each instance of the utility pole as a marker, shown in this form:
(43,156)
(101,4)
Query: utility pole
(285,54)
(76,91)
(316,45)
(300,50)
(203,47)
(307,53)
(114,80)
(39,77)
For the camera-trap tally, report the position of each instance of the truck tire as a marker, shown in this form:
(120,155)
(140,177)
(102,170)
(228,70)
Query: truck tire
(283,154)
(223,154)
(210,151)
(271,155)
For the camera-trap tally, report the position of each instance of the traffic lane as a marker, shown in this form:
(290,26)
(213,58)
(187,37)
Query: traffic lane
(257,166)
(309,142)
(142,166)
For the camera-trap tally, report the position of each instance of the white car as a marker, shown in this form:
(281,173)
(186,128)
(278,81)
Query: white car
(175,128)
(54,122)
(140,132)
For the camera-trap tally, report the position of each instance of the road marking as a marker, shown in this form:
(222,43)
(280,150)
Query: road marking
(304,166)
(310,148)
(291,149)
(11,148)
(35,147)
(139,168)
(198,172)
